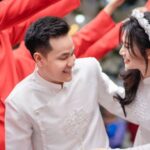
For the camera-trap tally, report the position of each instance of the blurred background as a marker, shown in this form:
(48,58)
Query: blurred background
(87,11)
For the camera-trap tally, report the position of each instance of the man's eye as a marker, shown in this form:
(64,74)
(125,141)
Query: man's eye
(63,58)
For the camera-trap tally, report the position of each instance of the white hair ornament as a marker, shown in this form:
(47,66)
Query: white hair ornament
(142,21)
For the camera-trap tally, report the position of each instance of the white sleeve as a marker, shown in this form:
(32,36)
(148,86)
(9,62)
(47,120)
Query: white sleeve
(141,147)
(107,89)
(17,128)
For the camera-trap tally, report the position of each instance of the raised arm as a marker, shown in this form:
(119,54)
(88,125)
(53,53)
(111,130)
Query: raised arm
(148,5)
(59,9)
(15,11)
(95,29)
(92,32)
(108,42)
(104,45)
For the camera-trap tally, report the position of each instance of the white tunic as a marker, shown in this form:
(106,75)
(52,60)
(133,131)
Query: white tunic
(44,116)
(138,112)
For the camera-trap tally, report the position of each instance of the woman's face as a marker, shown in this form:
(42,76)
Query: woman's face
(130,60)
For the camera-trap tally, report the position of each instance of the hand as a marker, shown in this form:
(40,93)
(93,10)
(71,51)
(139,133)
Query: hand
(142,9)
(116,3)
(113,5)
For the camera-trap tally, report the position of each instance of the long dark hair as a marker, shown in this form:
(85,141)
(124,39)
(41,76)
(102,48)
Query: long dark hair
(134,34)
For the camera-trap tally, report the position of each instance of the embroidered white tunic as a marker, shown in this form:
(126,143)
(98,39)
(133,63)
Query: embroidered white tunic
(138,112)
(45,116)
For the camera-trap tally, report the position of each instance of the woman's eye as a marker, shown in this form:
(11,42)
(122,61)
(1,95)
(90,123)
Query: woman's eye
(127,46)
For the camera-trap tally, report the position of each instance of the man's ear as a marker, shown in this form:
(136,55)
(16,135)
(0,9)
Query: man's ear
(38,59)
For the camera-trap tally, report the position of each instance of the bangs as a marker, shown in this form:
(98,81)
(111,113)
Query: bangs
(130,39)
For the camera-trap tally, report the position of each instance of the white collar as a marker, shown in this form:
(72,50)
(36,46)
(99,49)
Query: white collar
(46,84)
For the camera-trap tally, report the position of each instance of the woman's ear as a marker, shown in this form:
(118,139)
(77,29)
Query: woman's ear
(148,54)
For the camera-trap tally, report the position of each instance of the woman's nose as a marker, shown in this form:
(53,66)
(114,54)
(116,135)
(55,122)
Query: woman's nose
(121,52)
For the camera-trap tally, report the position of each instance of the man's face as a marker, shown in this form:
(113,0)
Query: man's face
(57,65)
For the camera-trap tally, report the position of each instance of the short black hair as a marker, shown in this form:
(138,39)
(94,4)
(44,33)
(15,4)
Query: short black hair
(39,33)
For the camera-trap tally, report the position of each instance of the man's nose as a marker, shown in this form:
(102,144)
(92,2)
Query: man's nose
(71,60)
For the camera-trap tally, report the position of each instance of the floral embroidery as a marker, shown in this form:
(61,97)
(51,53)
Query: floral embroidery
(76,123)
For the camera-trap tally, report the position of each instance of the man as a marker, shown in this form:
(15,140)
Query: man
(16,16)
(55,107)
(12,14)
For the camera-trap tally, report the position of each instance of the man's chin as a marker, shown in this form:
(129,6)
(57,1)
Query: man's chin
(68,79)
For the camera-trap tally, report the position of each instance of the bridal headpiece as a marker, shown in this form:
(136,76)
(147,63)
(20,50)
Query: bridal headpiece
(142,21)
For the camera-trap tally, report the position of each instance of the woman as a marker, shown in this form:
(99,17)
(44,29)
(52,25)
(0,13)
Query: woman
(135,35)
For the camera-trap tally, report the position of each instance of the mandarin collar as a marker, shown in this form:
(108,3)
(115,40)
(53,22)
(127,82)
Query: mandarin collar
(46,84)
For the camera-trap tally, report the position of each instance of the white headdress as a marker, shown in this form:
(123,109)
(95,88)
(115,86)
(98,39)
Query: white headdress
(142,21)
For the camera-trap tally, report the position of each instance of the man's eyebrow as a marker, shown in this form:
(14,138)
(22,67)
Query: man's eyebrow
(68,53)
(71,51)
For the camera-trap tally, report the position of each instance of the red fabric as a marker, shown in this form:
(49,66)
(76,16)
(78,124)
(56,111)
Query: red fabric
(15,11)
(93,31)
(8,77)
(133,130)
(148,5)
(104,45)
(24,62)
(8,37)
